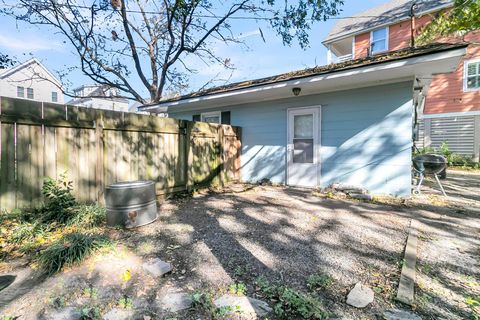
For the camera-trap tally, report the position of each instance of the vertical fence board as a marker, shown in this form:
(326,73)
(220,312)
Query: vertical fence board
(24,182)
(50,152)
(7,167)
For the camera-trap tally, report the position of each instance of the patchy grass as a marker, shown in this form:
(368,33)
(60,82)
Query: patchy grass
(319,281)
(69,250)
(290,303)
(59,233)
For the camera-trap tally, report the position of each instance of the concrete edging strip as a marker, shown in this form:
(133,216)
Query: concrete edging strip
(406,286)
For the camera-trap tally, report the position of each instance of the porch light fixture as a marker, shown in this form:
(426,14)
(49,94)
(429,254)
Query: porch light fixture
(296,91)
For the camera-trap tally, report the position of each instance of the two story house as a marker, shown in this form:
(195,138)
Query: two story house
(99,97)
(451,110)
(31,80)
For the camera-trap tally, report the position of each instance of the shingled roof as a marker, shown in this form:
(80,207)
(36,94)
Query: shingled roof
(319,70)
(385,14)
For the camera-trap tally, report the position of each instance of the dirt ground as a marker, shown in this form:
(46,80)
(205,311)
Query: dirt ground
(214,239)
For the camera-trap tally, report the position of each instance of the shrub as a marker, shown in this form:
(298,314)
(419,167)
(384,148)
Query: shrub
(292,303)
(69,250)
(59,200)
(453,159)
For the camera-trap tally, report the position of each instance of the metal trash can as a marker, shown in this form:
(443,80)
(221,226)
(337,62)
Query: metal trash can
(131,204)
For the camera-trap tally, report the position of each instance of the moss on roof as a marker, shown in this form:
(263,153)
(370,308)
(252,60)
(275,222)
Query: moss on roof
(319,70)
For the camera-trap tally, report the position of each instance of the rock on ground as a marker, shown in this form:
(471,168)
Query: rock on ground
(245,305)
(157,267)
(360,296)
(69,313)
(396,314)
(118,314)
(175,301)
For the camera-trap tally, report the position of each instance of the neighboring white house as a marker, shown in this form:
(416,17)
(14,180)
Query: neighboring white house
(30,80)
(99,97)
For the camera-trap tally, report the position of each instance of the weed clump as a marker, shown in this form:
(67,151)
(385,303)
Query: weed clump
(69,250)
(290,303)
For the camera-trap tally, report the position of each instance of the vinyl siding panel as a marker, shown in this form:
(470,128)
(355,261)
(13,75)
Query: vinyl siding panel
(365,137)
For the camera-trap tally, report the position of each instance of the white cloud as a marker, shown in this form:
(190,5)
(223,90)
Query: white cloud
(23,44)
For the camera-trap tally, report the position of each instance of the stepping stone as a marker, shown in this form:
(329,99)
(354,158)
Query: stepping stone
(360,296)
(175,301)
(396,314)
(69,313)
(157,267)
(118,314)
(242,304)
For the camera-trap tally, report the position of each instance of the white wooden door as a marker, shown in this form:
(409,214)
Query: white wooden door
(303,147)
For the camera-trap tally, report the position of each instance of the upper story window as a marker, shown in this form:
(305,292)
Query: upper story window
(472,75)
(20,92)
(54,96)
(30,93)
(379,41)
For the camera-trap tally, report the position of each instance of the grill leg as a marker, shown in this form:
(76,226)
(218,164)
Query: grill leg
(440,184)
(417,189)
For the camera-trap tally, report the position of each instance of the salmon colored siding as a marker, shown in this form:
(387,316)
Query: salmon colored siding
(362,43)
(399,36)
(446,93)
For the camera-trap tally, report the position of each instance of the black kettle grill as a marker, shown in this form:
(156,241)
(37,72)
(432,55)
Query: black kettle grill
(429,164)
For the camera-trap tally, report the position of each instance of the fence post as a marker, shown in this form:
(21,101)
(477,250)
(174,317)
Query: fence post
(99,170)
(189,156)
(221,154)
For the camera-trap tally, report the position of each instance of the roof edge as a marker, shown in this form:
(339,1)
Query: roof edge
(328,69)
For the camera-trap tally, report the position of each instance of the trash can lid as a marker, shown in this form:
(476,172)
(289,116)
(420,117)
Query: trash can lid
(130,184)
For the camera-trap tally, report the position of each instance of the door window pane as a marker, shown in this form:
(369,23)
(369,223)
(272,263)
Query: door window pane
(303,126)
(302,150)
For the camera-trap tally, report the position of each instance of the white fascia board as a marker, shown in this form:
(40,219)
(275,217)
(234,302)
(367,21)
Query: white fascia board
(356,77)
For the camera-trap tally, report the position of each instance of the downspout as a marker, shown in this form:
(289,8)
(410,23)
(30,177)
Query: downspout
(412,24)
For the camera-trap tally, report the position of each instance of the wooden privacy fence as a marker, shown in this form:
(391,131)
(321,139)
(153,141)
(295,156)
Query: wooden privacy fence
(99,147)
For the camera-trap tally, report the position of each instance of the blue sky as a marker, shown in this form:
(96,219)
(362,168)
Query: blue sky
(260,59)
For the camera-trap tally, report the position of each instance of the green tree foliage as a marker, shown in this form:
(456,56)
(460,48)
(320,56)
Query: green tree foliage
(462,19)
(5,61)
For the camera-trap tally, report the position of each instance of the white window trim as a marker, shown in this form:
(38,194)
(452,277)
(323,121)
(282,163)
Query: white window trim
(465,75)
(387,36)
(211,114)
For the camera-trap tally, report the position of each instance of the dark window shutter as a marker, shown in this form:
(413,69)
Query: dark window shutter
(226,117)
(196,117)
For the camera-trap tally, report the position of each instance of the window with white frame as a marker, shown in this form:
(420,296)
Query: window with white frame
(54,96)
(212,117)
(20,92)
(472,75)
(30,93)
(379,41)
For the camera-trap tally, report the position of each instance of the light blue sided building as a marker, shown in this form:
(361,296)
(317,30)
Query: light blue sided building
(350,123)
